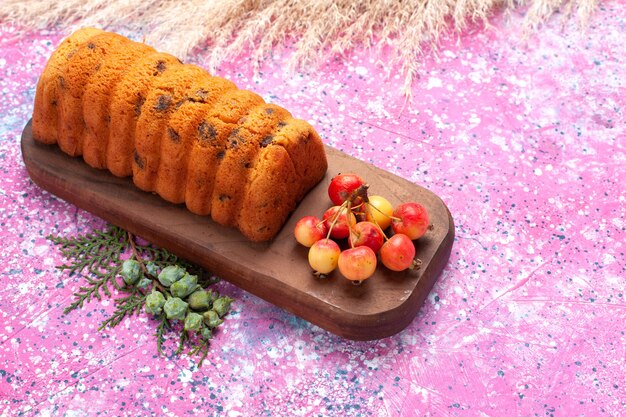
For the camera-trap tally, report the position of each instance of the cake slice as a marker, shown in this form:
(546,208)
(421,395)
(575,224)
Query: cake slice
(270,195)
(242,147)
(161,101)
(85,61)
(127,101)
(45,111)
(97,99)
(182,133)
(209,149)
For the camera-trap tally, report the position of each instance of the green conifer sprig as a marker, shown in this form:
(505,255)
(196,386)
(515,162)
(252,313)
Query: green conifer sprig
(124,307)
(98,258)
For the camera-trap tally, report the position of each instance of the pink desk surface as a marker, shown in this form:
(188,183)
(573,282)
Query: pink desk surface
(525,141)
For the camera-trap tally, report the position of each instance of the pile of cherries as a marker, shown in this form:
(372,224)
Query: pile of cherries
(358,221)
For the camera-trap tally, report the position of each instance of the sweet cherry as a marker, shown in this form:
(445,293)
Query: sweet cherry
(366,222)
(342,186)
(410,219)
(309,230)
(339,221)
(398,253)
(324,256)
(367,234)
(379,210)
(357,264)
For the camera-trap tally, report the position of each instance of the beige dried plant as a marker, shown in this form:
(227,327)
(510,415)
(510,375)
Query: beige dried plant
(314,29)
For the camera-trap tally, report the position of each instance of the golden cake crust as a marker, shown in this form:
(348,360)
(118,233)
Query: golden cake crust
(210,148)
(161,101)
(181,134)
(85,61)
(127,103)
(306,151)
(242,148)
(204,157)
(97,99)
(271,195)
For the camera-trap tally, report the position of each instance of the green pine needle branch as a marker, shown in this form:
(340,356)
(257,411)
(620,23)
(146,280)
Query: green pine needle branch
(98,258)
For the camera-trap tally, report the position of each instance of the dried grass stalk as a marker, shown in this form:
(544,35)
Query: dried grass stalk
(318,29)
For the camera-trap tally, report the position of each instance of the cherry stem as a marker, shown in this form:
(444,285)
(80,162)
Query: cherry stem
(379,210)
(384,214)
(368,206)
(349,225)
(336,218)
(416,264)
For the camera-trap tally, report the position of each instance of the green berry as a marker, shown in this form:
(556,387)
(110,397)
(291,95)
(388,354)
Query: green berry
(131,271)
(184,286)
(200,300)
(144,283)
(212,319)
(222,305)
(193,321)
(152,269)
(206,333)
(170,274)
(154,302)
(175,308)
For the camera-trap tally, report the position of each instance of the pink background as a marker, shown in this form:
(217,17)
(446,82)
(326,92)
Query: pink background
(525,141)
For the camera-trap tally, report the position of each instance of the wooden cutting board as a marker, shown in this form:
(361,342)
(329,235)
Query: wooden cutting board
(277,271)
